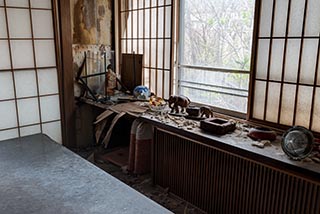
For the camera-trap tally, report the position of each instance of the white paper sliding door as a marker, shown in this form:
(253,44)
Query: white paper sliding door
(29,90)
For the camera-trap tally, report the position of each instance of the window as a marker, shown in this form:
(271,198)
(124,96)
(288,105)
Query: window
(215,52)
(286,84)
(215,61)
(145,28)
(29,90)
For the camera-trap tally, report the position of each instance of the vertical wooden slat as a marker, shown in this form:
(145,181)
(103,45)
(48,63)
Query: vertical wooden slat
(35,63)
(11,64)
(63,40)
(254,55)
(150,41)
(284,61)
(143,40)
(314,85)
(163,48)
(269,62)
(156,51)
(299,65)
(173,3)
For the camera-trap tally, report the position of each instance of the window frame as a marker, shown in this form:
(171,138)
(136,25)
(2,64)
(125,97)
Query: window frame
(178,58)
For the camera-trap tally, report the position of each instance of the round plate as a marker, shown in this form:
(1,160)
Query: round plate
(297,142)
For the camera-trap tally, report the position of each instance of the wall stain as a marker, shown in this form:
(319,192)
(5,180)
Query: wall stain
(92,22)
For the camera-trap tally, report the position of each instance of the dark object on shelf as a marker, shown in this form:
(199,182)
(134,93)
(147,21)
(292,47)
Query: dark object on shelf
(193,111)
(297,142)
(205,110)
(178,101)
(131,70)
(217,126)
(261,133)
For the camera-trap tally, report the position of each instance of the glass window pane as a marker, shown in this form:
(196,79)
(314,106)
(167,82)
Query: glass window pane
(262,59)
(265,18)
(308,61)
(4,55)
(8,115)
(160,83)
(41,4)
(22,54)
(50,109)
(280,17)
(28,110)
(1,3)
(168,21)
(48,81)
(160,22)
(304,106)
(287,104)
(312,27)
(147,24)
(6,83)
(153,23)
(167,55)
(153,3)
(154,53)
(3,25)
(30,130)
(42,24)
(26,83)
(9,134)
(53,130)
(296,18)
(160,53)
(146,60)
(292,60)
(153,81)
(17,3)
(135,24)
(166,84)
(141,26)
(19,23)
(217,34)
(259,99)
(273,102)
(316,112)
(45,53)
(276,62)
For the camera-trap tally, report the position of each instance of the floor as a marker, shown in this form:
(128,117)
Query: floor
(141,183)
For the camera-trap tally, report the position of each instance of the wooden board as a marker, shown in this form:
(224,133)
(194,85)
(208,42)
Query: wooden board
(131,70)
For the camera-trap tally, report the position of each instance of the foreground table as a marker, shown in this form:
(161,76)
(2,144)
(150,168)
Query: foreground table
(38,175)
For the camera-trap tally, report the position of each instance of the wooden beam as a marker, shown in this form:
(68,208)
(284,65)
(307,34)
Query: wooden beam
(64,41)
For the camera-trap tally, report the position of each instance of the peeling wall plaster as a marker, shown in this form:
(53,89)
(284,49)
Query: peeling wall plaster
(91,22)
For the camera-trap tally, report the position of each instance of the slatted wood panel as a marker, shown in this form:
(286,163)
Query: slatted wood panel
(218,182)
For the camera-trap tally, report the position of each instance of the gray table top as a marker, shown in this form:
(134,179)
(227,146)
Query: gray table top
(38,175)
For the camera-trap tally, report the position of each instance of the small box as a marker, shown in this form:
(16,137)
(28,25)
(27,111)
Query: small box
(217,126)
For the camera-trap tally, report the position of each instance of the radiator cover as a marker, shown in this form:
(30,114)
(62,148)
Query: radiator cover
(220,182)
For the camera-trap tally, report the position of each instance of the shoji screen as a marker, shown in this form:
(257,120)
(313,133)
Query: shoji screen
(286,82)
(145,28)
(29,95)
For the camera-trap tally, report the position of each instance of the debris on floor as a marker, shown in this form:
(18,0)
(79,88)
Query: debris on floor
(143,184)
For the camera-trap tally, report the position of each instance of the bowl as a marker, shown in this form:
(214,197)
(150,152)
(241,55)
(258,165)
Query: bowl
(297,142)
